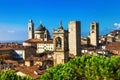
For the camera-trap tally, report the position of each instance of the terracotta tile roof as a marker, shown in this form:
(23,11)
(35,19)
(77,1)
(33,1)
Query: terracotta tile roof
(101,37)
(34,58)
(21,47)
(113,46)
(108,37)
(11,61)
(5,49)
(32,40)
(39,58)
(28,70)
(38,41)
(14,47)
(90,49)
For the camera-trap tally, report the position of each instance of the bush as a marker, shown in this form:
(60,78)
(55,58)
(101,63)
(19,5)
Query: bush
(10,75)
(86,68)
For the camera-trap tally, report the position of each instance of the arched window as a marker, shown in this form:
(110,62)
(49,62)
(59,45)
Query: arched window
(93,27)
(58,42)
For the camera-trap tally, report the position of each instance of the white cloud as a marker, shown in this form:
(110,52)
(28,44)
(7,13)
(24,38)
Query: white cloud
(11,31)
(117,25)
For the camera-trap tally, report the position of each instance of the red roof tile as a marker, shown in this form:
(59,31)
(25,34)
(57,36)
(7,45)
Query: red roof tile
(38,41)
(5,49)
(113,46)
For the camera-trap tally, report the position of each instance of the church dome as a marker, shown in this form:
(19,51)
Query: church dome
(40,28)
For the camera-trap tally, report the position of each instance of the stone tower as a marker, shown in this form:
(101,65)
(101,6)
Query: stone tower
(60,41)
(74,38)
(94,34)
(30,29)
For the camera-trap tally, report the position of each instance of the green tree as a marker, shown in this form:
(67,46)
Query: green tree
(86,68)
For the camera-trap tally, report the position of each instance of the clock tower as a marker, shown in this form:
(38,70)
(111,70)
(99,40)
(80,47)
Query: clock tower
(60,41)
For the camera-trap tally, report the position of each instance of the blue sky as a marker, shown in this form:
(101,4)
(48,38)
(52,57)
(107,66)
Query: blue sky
(15,14)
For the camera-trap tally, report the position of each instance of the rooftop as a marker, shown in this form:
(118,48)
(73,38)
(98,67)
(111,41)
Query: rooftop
(38,41)
(113,46)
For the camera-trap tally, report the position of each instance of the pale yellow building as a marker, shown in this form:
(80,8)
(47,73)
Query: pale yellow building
(74,37)
(94,34)
(60,41)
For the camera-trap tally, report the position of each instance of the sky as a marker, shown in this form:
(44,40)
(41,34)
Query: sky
(15,15)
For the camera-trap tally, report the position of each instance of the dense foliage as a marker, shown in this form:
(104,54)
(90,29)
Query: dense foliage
(86,68)
(10,75)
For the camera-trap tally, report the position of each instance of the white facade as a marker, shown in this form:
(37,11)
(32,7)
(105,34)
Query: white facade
(41,47)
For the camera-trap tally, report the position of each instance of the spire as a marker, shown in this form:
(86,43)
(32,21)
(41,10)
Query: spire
(61,27)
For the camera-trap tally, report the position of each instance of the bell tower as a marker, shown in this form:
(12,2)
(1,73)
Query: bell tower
(94,34)
(30,29)
(60,41)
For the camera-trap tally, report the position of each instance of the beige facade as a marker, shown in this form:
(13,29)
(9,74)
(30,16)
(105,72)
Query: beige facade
(94,34)
(28,63)
(74,37)
(64,42)
(60,41)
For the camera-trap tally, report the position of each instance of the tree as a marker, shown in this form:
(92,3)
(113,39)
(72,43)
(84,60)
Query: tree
(86,68)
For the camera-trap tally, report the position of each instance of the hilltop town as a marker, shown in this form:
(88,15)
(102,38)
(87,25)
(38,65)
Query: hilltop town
(40,51)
